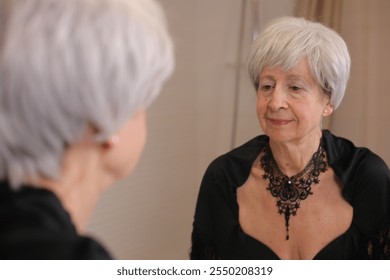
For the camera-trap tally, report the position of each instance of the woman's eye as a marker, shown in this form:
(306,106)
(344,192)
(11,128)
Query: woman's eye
(266,87)
(295,88)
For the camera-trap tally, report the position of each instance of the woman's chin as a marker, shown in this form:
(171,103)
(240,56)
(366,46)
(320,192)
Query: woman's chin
(279,135)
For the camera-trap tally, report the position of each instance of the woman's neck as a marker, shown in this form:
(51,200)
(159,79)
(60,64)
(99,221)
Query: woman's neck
(81,183)
(292,157)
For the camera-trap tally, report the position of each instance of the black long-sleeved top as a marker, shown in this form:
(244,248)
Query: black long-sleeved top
(366,187)
(34,225)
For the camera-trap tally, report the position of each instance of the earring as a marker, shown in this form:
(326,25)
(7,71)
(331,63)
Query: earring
(113,140)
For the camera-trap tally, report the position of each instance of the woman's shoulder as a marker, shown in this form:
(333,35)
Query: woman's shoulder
(362,172)
(349,159)
(37,243)
(36,226)
(233,168)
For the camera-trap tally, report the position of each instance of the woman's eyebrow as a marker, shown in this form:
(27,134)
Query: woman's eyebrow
(267,76)
(295,77)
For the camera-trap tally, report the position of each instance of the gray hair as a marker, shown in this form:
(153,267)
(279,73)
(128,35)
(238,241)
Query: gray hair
(287,40)
(69,64)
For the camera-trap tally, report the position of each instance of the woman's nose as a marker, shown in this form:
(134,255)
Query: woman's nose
(277,99)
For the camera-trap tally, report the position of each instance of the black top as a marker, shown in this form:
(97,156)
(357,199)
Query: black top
(34,225)
(366,187)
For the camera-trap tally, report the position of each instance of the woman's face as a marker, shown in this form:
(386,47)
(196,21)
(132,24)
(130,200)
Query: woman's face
(291,104)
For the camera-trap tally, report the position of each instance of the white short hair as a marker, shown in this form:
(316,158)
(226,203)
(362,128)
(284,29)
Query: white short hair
(285,41)
(69,64)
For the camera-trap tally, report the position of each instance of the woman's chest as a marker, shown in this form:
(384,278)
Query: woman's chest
(318,219)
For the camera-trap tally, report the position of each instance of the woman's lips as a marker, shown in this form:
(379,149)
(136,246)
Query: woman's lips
(278,121)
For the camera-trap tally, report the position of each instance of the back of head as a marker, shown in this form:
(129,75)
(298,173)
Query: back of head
(285,41)
(69,64)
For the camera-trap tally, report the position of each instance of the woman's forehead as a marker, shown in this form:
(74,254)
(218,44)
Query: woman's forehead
(299,70)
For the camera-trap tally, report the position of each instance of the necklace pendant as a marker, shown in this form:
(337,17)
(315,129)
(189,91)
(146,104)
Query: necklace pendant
(287,219)
(288,185)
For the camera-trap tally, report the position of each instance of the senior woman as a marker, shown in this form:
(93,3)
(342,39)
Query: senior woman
(75,79)
(297,192)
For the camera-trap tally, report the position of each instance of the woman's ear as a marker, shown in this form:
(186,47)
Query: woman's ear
(328,110)
(111,142)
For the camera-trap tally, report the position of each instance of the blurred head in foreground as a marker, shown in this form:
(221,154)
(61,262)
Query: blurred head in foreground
(76,77)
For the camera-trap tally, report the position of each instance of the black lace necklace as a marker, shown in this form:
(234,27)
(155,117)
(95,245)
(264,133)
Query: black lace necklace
(289,191)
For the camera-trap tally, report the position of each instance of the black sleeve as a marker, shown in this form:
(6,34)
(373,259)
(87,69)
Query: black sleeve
(202,247)
(372,205)
(215,218)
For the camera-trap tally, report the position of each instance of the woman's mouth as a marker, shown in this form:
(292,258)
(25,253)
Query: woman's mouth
(278,122)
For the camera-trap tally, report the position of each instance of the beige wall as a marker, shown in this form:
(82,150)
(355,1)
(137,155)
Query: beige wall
(149,214)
